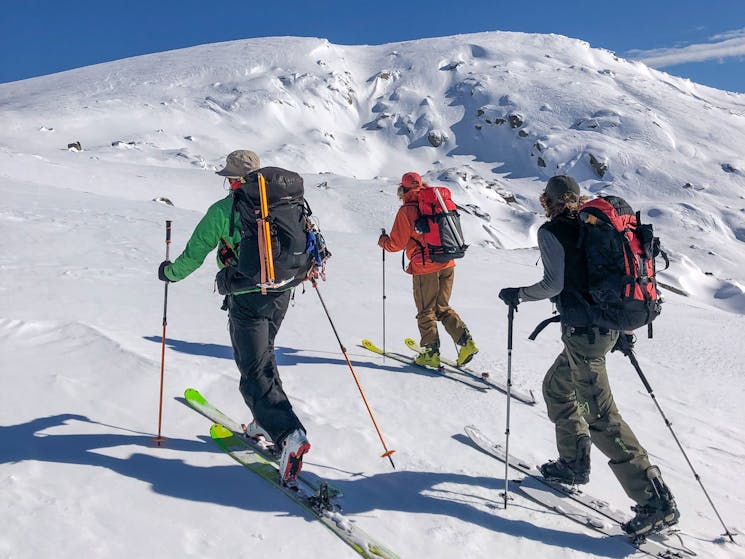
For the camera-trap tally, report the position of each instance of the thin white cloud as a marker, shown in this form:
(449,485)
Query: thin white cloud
(725,45)
(729,35)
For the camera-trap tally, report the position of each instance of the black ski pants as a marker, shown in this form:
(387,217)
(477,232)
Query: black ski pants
(254,321)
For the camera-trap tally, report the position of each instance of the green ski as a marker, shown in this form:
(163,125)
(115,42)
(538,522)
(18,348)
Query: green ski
(315,503)
(200,404)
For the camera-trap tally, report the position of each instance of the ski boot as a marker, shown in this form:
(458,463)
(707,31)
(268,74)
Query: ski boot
(467,349)
(658,513)
(294,446)
(429,357)
(570,473)
(256,432)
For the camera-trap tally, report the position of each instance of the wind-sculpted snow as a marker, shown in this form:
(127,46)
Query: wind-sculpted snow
(511,107)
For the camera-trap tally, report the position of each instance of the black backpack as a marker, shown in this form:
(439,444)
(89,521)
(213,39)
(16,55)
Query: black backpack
(619,290)
(620,252)
(296,243)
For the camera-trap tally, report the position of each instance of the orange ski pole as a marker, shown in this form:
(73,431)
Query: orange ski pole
(159,439)
(387,453)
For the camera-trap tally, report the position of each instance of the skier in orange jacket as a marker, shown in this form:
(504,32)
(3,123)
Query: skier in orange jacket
(432,281)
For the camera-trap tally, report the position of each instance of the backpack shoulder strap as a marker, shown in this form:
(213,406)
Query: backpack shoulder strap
(232,218)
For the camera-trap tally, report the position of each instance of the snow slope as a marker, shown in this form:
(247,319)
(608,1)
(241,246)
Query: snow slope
(81,308)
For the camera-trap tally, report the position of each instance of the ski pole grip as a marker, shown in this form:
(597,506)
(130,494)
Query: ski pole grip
(168,231)
(382,230)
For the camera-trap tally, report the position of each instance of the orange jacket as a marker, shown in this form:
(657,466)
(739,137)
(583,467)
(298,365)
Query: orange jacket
(403,236)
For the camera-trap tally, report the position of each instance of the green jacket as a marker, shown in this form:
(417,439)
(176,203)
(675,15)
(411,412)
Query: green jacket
(206,237)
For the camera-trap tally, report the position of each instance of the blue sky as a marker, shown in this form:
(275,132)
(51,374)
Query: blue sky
(703,41)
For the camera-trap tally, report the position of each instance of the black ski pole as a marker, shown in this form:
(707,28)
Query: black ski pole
(630,353)
(387,453)
(382,232)
(510,322)
(159,439)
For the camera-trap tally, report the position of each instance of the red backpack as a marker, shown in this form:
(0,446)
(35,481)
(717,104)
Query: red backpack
(439,222)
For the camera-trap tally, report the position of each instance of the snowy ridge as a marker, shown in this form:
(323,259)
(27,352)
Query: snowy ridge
(466,109)
(81,308)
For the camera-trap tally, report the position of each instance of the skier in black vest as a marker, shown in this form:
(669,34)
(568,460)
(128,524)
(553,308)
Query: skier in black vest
(576,387)
(254,319)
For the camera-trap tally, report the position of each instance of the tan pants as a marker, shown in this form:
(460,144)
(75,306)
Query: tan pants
(432,300)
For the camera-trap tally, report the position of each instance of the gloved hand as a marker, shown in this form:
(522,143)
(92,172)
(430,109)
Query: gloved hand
(625,343)
(161,274)
(382,239)
(510,296)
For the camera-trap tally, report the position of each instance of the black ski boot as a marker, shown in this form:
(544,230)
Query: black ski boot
(570,473)
(660,512)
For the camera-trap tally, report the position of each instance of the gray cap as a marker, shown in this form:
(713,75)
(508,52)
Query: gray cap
(559,185)
(239,163)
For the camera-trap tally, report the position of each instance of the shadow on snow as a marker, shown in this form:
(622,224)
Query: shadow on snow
(230,485)
(288,356)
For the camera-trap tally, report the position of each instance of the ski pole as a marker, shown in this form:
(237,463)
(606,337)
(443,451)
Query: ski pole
(159,439)
(630,353)
(387,453)
(382,232)
(510,321)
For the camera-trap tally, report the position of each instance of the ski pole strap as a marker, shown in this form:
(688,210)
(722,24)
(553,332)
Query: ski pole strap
(231,230)
(542,325)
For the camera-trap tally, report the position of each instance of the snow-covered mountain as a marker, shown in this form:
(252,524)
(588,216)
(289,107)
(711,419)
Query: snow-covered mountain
(490,115)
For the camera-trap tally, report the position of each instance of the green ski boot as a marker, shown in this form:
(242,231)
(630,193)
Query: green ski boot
(467,349)
(429,357)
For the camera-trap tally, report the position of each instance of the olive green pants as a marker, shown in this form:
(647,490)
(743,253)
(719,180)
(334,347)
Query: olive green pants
(432,300)
(580,402)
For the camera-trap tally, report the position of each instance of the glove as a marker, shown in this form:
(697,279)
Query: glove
(382,239)
(161,270)
(625,343)
(510,296)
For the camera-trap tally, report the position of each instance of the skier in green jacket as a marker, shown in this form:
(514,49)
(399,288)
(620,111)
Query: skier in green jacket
(254,320)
